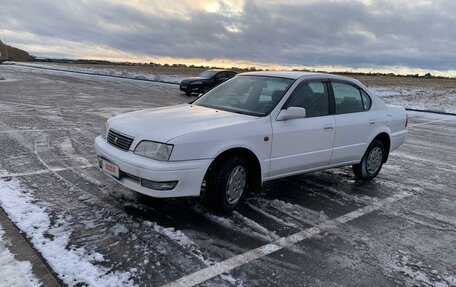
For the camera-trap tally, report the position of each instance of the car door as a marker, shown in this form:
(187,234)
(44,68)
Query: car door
(355,122)
(303,143)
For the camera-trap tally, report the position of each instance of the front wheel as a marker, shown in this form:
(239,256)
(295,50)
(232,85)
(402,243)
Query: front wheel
(371,163)
(227,184)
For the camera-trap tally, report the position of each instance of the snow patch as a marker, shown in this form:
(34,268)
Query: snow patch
(119,229)
(417,273)
(68,149)
(7,80)
(14,272)
(292,211)
(180,238)
(241,224)
(75,266)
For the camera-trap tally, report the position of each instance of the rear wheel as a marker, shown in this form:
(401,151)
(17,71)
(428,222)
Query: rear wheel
(226,184)
(371,163)
(188,93)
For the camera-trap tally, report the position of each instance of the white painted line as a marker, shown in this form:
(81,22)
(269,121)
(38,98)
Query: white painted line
(51,170)
(284,242)
(431,122)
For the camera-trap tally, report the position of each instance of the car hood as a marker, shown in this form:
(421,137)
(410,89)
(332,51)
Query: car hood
(192,79)
(164,124)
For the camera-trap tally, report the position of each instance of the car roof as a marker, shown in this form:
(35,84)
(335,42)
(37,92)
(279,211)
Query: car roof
(296,75)
(221,70)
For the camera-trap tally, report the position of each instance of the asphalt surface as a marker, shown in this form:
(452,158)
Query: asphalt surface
(398,230)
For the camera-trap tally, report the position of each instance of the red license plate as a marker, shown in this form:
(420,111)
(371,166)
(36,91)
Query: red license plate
(110,168)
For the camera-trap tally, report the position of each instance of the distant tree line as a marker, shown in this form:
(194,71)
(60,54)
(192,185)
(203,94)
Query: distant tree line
(153,64)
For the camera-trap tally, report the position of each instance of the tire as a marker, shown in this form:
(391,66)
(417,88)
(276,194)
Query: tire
(188,94)
(227,183)
(371,163)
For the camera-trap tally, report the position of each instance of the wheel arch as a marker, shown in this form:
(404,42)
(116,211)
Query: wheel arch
(386,141)
(255,173)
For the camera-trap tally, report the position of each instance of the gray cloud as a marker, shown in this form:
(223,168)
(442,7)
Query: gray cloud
(415,34)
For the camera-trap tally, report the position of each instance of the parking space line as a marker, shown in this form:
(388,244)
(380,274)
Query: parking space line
(50,170)
(284,242)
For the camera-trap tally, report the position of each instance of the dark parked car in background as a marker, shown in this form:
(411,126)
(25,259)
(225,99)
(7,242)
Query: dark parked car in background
(205,81)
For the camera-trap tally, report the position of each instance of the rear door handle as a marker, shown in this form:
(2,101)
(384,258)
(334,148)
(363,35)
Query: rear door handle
(328,127)
(372,122)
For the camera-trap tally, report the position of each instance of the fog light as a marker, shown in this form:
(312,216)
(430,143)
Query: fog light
(158,185)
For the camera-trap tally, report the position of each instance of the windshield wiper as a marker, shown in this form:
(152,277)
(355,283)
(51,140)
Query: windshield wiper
(248,113)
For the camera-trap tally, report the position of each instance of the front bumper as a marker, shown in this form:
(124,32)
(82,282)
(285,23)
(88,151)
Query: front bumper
(397,139)
(190,88)
(188,174)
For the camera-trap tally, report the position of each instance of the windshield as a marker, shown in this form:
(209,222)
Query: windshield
(207,74)
(251,95)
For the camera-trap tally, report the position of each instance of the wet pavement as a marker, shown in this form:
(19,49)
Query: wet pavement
(49,120)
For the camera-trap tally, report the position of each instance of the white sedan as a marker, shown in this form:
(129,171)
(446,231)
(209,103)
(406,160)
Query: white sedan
(253,128)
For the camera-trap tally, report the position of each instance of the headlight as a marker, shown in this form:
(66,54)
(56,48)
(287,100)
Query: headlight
(197,83)
(154,150)
(104,130)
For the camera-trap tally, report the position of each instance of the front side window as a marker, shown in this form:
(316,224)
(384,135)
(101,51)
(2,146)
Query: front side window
(251,95)
(313,97)
(347,98)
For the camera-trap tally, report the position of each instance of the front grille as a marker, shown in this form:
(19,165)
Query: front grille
(118,140)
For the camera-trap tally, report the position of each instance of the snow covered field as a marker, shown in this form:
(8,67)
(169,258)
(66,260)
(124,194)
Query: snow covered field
(396,230)
(418,95)
(111,72)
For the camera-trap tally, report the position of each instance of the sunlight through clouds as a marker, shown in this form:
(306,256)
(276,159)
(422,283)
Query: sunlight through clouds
(352,34)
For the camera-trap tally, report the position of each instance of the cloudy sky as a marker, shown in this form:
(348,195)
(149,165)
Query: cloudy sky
(396,35)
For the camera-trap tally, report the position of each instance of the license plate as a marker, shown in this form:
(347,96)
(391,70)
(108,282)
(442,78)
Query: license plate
(110,168)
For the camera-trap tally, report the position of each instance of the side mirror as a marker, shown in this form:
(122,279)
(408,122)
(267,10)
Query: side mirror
(291,113)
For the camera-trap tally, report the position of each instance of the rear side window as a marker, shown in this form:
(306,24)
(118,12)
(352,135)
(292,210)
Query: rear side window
(312,96)
(348,98)
(367,102)
(221,75)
